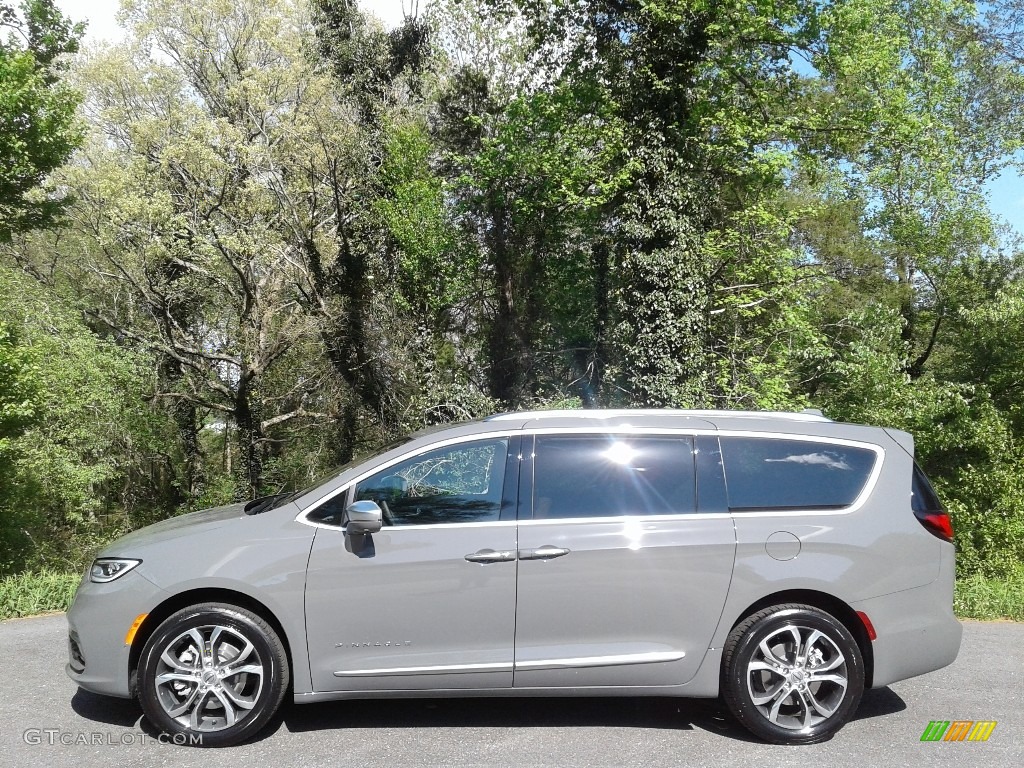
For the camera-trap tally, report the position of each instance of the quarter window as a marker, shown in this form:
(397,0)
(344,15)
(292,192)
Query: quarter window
(922,496)
(457,484)
(605,476)
(765,473)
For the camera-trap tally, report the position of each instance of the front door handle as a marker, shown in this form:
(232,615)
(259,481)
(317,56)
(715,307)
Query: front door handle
(546,552)
(492,556)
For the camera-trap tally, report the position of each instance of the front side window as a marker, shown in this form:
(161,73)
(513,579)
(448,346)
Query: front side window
(766,473)
(458,484)
(609,476)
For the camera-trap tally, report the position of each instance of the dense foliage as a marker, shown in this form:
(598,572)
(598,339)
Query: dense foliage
(280,234)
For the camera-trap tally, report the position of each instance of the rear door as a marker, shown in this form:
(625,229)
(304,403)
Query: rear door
(621,578)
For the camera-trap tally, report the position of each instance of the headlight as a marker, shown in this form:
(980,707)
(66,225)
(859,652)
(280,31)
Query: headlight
(109,568)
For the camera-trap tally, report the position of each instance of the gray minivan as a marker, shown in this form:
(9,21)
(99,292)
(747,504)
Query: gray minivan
(781,560)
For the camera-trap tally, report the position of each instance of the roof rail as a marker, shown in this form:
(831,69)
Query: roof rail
(809,414)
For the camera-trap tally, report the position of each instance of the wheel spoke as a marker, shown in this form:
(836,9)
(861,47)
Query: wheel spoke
(200,643)
(795,633)
(820,708)
(251,669)
(769,654)
(174,662)
(170,677)
(184,707)
(806,646)
(243,654)
(229,710)
(214,638)
(241,701)
(837,679)
(802,697)
(197,708)
(773,713)
(760,700)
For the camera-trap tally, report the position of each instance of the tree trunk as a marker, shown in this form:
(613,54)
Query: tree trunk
(248,419)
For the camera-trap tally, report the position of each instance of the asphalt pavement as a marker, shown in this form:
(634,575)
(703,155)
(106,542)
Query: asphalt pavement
(45,720)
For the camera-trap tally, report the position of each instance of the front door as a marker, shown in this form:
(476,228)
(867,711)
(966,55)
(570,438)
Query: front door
(429,601)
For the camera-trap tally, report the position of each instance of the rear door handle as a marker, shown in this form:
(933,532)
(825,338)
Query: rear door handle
(492,556)
(546,552)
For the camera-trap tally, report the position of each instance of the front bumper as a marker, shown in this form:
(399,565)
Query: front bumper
(98,620)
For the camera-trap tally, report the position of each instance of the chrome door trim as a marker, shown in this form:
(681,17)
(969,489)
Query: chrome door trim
(445,669)
(652,657)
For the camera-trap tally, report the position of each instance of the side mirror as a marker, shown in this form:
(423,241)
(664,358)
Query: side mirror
(363,517)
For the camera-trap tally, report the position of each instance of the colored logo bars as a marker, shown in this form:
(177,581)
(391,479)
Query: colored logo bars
(958,730)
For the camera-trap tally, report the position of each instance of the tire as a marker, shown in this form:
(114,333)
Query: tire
(212,675)
(792,674)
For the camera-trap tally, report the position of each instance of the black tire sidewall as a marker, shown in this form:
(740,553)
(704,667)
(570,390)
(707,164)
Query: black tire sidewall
(735,684)
(264,640)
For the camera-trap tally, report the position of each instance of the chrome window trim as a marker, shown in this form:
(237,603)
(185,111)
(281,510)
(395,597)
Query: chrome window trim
(423,527)
(862,497)
(625,430)
(608,519)
(505,434)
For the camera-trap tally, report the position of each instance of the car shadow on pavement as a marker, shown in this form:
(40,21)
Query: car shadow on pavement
(487,712)
(105,709)
(879,702)
(640,712)
(619,712)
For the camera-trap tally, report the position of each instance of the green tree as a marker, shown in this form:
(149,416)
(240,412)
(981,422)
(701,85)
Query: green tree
(937,114)
(19,386)
(38,129)
(704,285)
(80,448)
(180,225)
(530,188)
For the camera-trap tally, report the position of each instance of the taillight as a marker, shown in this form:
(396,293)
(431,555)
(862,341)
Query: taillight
(936,523)
(927,507)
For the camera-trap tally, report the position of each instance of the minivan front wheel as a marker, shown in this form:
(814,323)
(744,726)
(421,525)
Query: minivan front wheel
(792,674)
(212,675)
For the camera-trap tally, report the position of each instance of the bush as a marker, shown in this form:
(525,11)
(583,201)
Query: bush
(978,597)
(36,592)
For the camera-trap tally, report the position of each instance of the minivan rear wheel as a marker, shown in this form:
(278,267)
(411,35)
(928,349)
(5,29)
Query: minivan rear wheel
(212,675)
(792,674)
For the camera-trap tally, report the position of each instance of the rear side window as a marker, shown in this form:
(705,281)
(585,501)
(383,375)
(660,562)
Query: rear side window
(766,473)
(607,476)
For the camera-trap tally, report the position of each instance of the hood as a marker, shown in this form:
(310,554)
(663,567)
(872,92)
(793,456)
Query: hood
(173,528)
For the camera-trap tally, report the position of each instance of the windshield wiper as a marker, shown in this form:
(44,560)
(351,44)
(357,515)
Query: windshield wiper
(264,503)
